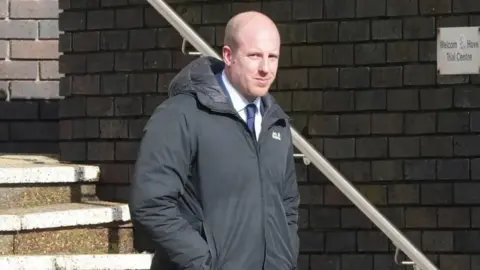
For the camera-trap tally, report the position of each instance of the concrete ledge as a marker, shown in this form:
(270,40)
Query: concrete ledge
(47,173)
(70,262)
(63,215)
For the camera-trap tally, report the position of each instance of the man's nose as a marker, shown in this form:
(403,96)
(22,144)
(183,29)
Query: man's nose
(264,66)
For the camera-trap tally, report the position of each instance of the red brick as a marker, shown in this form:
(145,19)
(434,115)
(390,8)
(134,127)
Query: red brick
(18,29)
(307,101)
(35,89)
(113,128)
(129,18)
(18,70)
(135,127)
(216,13)
(153,18)
(100,106)
(143,83)
(86,128)
(115,83)
(65,86)
(65,42)
(71,21)
(86,85)
(73,151)
(157,60)
(72,107)
(49,70)
(34,49)
(64,4)
(126,151)
(65,129)
(72,63)
(293,32)
(191,14)
(100,19)
(128,106)
(43,130)
(280,10)
(100,62)
(114,173)
(307,56)
(44,9)
(303,9)
(241,7)
(152,102)
(3,8)
(292,79)
(86,41)
(4,131)
(100,151)
(48,29)
(3,48)
(49,109)
(284,99)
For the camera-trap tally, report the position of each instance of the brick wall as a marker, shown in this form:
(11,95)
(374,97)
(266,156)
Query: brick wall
(358,77)
(29,72)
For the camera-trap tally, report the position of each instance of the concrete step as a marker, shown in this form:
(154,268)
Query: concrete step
(32,195)
(74,228)
(71,262)
(28,181)
(25,169)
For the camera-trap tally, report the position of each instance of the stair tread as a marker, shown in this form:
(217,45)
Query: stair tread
(29,173)
(59,207)
(86,261)
(28,159)
(63,215)
(40,165)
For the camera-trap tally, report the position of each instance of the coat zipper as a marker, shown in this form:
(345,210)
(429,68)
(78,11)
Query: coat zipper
(256,143)
(262,191)
(257,150)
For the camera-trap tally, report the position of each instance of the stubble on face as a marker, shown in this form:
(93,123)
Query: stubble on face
(251,53)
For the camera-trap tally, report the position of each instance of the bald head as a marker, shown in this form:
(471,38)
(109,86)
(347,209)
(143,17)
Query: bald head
(251,51)
(243,24)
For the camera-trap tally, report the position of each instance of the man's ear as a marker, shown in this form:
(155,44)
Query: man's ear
(227,55)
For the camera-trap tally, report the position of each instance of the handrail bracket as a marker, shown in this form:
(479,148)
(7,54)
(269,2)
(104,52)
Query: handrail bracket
(398,262)
(184,49)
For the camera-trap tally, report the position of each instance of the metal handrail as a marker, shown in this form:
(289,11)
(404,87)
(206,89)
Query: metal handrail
(398,239)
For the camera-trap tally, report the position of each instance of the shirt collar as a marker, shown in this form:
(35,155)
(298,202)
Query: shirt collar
(239,102)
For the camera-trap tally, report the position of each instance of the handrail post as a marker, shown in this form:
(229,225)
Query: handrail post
(398,239)
(7,94)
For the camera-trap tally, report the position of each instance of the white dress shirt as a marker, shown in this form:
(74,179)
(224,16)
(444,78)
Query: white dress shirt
(240,103)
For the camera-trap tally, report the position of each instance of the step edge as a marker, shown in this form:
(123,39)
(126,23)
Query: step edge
(83,261)
(65,218)
(49,174)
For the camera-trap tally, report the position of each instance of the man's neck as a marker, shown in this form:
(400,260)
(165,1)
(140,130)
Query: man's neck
(239,90)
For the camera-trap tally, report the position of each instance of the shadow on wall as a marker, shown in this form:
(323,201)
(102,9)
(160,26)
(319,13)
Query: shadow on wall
(29,126)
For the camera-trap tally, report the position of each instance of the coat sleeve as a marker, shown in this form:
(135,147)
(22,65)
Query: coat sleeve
(161,171)
(291,200)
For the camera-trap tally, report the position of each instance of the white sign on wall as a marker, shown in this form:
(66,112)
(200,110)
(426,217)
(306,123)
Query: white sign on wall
(458,50)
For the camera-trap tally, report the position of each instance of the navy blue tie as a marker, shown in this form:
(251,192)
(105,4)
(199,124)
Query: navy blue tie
(251,109)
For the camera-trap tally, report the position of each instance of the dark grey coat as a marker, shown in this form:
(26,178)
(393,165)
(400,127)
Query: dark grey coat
(206,191)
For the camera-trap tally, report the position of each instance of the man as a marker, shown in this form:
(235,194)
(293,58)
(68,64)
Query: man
(215,184)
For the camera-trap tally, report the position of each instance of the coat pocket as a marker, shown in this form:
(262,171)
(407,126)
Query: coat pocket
(210,260)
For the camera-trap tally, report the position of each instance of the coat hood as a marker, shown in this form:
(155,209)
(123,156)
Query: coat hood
(198,79)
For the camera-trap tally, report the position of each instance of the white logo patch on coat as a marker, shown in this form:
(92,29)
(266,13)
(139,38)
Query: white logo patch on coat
(276,135)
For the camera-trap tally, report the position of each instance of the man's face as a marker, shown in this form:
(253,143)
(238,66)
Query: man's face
(253,63)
